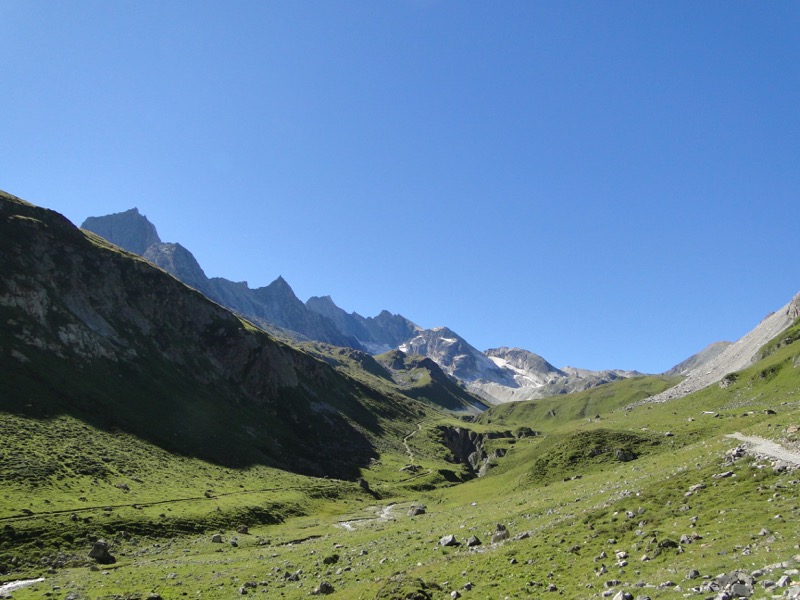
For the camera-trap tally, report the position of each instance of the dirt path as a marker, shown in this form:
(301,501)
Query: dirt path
(409,451)
(768,448)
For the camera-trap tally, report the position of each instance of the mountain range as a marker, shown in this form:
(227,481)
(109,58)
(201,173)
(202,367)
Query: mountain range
(497,375)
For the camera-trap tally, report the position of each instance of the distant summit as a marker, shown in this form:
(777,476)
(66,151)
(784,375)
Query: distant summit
(129,230)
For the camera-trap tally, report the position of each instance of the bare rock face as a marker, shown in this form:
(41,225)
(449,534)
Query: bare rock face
(467,447)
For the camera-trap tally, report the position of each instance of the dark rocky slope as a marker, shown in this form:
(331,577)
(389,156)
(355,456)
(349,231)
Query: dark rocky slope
(91,331)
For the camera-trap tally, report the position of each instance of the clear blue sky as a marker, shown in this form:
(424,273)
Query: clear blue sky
(607,184)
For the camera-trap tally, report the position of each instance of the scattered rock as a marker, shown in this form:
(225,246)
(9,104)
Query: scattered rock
(217,538)
(416,511)
(448,540)
(243,529)
(695,488)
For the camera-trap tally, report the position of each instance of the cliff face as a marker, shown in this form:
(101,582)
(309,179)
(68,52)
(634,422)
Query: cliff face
(125,345)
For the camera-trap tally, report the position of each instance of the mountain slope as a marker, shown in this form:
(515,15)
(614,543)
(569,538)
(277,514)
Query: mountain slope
(99,334)
(421,378)
(736,356)
(697,361)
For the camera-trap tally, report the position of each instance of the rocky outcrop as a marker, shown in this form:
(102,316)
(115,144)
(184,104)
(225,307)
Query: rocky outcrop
(469,447)
(100,553)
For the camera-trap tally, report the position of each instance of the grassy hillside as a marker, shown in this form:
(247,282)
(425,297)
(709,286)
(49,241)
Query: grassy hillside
(569,510)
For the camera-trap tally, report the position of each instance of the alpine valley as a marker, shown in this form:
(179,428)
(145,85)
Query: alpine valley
(170,435)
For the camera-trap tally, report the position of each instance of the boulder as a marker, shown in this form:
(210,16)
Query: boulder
(323,588)
(100,553)
(448,540)
(500,534)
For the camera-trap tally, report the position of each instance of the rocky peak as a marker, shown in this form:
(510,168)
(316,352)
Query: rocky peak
(518,358)
(453,354)
(129,230)
(279,290)
(321,303)
(177,260)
